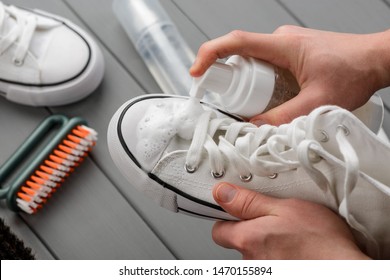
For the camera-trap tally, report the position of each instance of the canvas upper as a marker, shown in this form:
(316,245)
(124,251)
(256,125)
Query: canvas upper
(328,157)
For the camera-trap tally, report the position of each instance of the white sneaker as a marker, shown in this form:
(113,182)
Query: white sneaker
(46,60)
(329,157)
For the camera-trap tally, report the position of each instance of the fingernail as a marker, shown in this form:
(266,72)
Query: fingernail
(225,193)
(193,67)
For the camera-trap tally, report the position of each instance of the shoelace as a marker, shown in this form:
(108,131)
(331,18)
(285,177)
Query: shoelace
(262,151)
(21,33)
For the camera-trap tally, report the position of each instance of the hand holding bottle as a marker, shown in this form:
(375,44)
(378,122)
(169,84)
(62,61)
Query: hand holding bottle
(245,86)
(331,68)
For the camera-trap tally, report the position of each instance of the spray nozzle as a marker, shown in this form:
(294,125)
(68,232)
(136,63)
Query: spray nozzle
(216,79)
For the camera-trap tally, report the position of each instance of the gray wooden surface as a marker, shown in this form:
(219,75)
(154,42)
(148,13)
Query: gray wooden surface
(98,214)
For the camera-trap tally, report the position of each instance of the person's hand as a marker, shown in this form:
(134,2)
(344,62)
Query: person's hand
(272,228)
(331,68)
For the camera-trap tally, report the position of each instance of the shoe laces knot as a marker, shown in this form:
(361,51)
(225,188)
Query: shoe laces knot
(251,150)
(268,150)
(20,34)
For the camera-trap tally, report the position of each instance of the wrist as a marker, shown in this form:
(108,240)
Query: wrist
(380,49)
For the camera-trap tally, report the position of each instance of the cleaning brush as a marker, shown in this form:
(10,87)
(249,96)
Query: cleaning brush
(70,142)
(11,247)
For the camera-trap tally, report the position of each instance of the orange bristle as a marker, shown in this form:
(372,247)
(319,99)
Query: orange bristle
(29,191)
(58,165)
(47,169)
(61,154)
(76,146)
(33,185)
(71,151)
(41,188)
(49,177)
(43,175)
(24,196)
(65,149)
(75,139)
(81,134)
(54,172)
(41,181)
(62,161)
(81,141)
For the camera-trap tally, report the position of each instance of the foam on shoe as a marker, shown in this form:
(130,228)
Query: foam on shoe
(162,121)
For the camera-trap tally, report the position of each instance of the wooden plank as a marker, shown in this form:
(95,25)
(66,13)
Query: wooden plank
(16,123)
(356,16)
(218,17)
(89,218)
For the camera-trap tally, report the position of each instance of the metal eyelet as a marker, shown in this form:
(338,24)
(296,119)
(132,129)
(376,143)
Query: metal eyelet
(273,176)
(325,136)
(344,128)
(246,178)
(218,175)
(190,169)
(17,62)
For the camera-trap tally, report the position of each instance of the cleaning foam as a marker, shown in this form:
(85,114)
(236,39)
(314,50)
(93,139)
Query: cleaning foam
(162,121)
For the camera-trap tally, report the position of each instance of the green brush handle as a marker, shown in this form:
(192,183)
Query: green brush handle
(64,125)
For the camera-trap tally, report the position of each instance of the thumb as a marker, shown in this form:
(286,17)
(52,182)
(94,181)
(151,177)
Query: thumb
(307,100)
(243,203)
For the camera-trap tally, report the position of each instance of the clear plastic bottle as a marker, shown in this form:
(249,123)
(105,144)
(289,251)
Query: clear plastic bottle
(158,42)
(246,86)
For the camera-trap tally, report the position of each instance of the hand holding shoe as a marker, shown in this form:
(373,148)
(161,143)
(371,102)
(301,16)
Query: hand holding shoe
(272,228)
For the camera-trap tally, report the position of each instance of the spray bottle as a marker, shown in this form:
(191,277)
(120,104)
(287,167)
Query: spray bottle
(158,42)
(246,86)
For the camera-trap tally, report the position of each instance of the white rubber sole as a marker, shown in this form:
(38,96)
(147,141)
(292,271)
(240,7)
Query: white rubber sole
(62,93)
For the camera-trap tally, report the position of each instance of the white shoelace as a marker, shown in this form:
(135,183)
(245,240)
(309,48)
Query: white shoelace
(21,33)
(262,151)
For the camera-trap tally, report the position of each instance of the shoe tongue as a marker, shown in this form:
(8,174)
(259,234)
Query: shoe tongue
(8,24)
(166,126)
(176,144)
(186,117)
(44,23)
(41,39)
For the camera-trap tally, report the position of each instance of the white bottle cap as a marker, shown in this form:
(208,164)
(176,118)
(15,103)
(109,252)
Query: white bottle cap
(217,79)
(252,88)
(244,86)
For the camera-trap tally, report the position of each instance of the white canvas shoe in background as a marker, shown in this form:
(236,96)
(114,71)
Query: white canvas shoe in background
(46,60)
(328,157)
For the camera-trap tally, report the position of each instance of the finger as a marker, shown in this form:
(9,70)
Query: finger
(243,203)
(269,47)
(307,100)
(227,234)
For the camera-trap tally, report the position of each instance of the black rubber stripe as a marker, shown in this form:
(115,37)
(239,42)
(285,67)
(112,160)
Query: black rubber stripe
(200,215)
(183,194)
